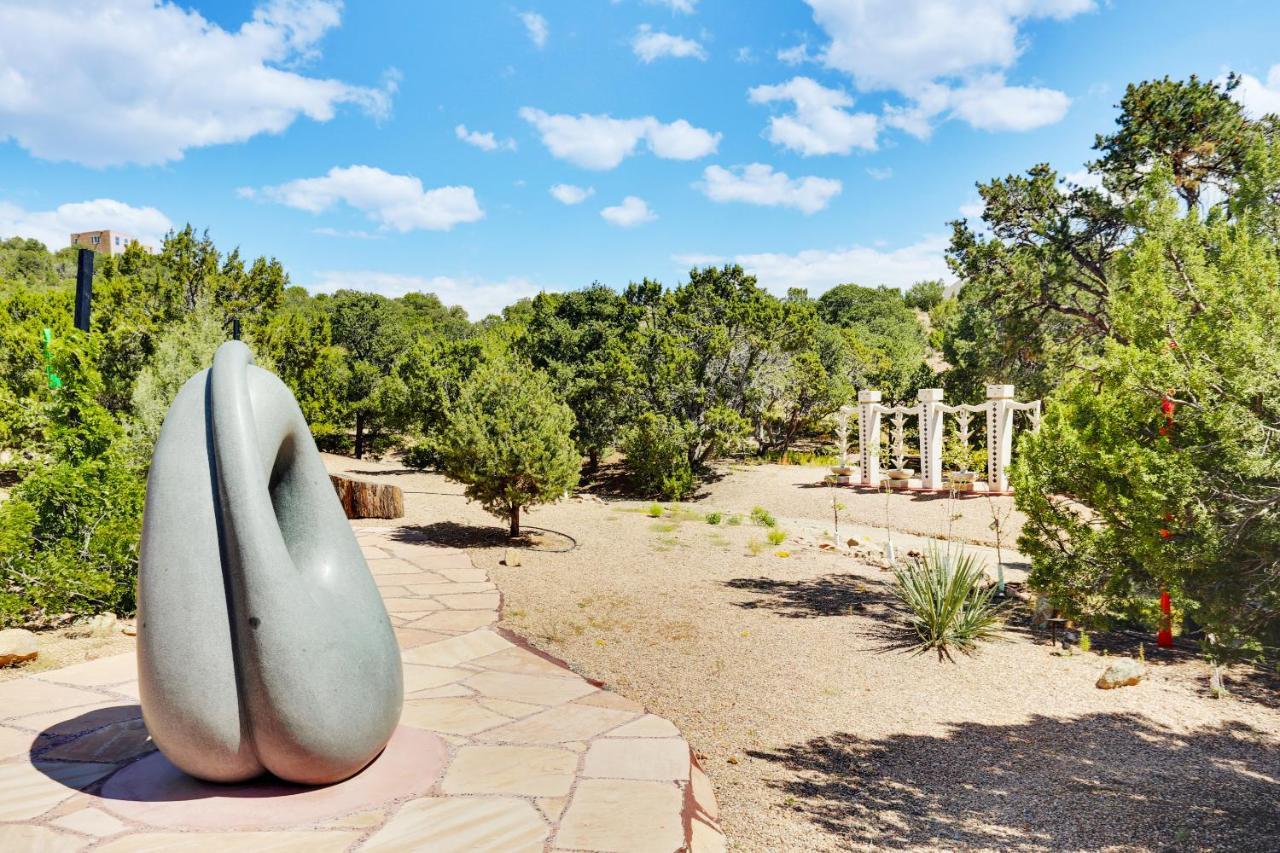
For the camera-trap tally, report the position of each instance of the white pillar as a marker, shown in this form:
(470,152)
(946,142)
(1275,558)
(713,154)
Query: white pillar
(869,436)
(931,430)
(999,436)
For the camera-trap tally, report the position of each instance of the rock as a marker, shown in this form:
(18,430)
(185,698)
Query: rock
(102,625)
(17,646)
(1124,672)
(129,629)
(511,558)
(851,542)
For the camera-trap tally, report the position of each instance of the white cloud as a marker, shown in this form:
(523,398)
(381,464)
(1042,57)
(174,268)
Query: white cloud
(55,227)
(819,124)
(948,59)
(759,184)
(650,45)
(632,212)
(878,174)
(1258,97)
(684,7)
(744,55)
(795,55)
(398,202)
(973,209)
(135,81)
(536,27)
(479,296)
(483,141)
(818,270)
(697,260)
(602,142)
(570,194)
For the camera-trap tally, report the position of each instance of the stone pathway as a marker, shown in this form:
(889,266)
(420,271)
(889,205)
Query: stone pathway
(500,748)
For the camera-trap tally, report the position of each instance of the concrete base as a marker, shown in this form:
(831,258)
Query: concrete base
(153,791)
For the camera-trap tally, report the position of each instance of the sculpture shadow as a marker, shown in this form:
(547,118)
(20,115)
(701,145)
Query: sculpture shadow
(1102,781)
(77,752)
(840,594)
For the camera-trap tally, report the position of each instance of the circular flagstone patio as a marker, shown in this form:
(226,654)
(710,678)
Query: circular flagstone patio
(499,748)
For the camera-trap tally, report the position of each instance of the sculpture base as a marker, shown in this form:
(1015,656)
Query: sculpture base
(155,792)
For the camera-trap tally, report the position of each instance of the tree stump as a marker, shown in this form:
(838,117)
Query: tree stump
(362,499)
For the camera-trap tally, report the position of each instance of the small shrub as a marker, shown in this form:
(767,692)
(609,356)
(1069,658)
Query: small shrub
(755,546)
(951,605)
(777,537)
(734,520)
(782,553)
(1085,642)
(763,517)
(713,518)
(655,510)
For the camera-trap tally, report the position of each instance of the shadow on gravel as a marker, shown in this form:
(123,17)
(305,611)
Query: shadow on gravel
(828,595)
(1114,781)
(453,535)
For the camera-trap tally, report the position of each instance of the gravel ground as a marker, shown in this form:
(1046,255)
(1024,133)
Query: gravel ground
(820,732)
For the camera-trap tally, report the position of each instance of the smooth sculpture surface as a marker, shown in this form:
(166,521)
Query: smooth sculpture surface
(263,645)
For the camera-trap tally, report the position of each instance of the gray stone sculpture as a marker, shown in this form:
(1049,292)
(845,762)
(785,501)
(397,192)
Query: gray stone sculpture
(263,645)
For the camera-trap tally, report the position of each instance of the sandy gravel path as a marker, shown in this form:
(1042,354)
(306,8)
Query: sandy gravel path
(787,676)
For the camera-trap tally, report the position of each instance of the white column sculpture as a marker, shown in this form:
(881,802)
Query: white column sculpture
(999,436)
(869,436)
(931,430)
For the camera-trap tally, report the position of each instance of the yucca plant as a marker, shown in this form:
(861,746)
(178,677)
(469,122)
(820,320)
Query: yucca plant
(952,605)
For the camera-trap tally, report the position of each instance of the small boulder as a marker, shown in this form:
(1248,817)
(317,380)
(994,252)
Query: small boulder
(852,543)
(17,646)
(129,629)
(1123,672)
(511,558)
(102,625)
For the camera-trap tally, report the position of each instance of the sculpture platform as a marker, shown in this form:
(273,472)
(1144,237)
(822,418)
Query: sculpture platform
(499,748)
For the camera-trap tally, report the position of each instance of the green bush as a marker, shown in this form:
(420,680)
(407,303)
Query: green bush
(763,517)
(777,537)
(508,439)
(734,520)
(951,605)
(655,510)
(713,518)
(657,457)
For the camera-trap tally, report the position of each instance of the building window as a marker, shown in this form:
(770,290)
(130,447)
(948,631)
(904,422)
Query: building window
(97,238)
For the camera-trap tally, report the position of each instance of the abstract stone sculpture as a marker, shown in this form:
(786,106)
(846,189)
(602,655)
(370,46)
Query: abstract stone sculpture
(263,645)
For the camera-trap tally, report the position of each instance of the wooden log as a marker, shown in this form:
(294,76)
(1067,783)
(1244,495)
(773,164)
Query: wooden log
(362,499)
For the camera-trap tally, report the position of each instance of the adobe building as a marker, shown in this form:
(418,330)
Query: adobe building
(107,242)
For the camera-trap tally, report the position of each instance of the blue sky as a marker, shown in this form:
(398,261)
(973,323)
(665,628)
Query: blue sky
(396,146)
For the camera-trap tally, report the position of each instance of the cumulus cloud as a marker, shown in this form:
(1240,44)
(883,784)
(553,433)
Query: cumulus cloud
(818,270)
(649,44)
(397,202)
(819,122)
(535,26)
(134,81)
(632,212)
(479,296)
(1259,97)
(949,60)
(759,184)
(795,55)
(55,227)
(483,141)
(602,142)
(570,194)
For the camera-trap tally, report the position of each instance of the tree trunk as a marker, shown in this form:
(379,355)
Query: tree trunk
(515,522)
(359,434)
(593,460)
(362,499)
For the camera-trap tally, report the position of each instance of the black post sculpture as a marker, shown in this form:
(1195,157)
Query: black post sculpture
(84,288)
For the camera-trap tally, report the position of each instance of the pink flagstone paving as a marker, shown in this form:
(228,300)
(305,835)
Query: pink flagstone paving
(499,748)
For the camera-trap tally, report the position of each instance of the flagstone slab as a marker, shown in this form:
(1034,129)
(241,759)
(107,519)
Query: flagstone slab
(463,825)
(623,817)
(527,770)
(499,748)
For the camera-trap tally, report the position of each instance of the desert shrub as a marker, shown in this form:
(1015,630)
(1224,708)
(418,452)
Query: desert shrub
(951,605)
(763,517)
(755,546)
(657,456)
(713,518)
(655,510)
(508,440)
(776,536)
(734,520)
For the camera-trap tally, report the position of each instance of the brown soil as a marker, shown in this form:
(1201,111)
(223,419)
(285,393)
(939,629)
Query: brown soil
(790,677)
